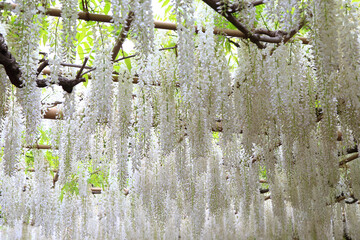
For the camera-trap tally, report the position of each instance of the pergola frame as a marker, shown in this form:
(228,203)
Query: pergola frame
(257,36)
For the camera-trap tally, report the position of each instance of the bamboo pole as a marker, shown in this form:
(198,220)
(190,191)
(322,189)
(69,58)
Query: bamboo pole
(40,146)
(53,113)
(348,158)
(157,24)
(33,170)
(54,12)
(115,78)
(95,190)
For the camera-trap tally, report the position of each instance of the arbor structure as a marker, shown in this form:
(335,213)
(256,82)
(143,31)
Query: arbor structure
(232,120)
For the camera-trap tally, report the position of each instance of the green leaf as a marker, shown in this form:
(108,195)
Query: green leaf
(228,46)
(107,8)
(90,40)
(80,51)
(166,2)
(127,62)
(80,35)
(167,10)
(87,47)
(259,11)
(44,139)
(29,159)
(87,80)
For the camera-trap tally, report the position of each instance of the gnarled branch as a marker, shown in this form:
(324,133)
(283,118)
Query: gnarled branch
(13,71)
(12,68)
(248,34)
(256,36)
(237,7)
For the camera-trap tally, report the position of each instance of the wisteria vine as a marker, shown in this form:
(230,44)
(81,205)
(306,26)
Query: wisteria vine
(196,135)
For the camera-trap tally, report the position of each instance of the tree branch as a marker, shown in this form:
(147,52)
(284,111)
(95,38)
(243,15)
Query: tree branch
(256,36)
(236,7)
(78,75)
(123,35)
(13,71)
(294,31)
(65,83)
(348,158)
(248,34)
(12,68)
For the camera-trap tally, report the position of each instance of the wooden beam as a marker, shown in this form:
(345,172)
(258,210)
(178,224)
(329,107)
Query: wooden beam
(53,113)
(47,71)
(95,190)
(348,158)
(40,146)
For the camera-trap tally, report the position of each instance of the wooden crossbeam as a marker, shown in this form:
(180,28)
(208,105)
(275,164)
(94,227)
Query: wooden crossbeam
(54,12)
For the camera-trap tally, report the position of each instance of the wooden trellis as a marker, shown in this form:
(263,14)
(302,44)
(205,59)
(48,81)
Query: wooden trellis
(257,36)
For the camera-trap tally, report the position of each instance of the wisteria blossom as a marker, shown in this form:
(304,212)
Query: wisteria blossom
(232,119)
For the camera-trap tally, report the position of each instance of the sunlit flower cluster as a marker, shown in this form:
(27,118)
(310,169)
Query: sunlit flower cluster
(287,13)
(100,90)
(68,33)
(143,26)
(25,47)
(11,139)
(121,123)
(120,10)
(186,46)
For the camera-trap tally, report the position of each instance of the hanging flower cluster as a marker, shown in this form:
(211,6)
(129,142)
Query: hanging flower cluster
(11,139)
(143,26)
(201,101)
(120,9)
(55,48)
(68,33)
(68,144)
(167,101)
(348,80)
(186,46)
(25,45)
(100,91)
(287,13)
(4,93)
(144,110)
(121,122)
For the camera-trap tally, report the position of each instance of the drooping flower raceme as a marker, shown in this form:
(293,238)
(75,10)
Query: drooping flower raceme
(11,127)
(120,10)
(55,47)
(100,89)
(26,52)
(121,122)
(185,18)
(143,26)
(287,13)
(4,93)
(68,34)
(326,59)
(42,191)
(167,102)
(67,154)
(349,79)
